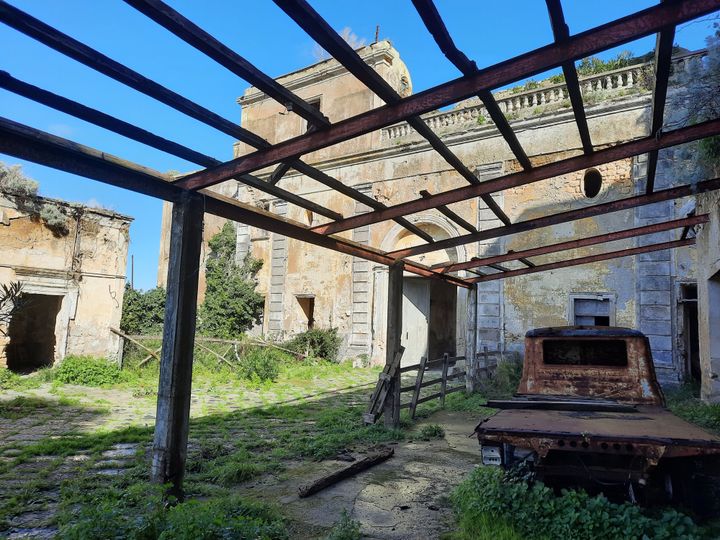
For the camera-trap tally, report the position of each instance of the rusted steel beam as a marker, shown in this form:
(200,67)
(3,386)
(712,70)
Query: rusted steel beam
(561,32)
(585,260)
(195,36)
(574,244)
(557,168)
(106,121)
(40,147)
(663,61)
(317,28)
(435,25)
(609,35)
(452,216)
(563,217)
(68,46)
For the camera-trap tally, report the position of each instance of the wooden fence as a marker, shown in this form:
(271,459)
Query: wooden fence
(444,364)
(201,342)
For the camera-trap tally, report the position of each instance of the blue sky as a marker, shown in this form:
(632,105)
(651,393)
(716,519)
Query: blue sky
(487,32)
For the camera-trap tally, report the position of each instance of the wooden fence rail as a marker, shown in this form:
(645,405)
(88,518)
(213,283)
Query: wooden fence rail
(421,368)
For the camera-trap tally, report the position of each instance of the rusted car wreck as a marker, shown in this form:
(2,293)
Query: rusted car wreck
(590,412)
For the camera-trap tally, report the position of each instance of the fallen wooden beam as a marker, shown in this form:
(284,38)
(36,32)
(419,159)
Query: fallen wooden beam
(347,472)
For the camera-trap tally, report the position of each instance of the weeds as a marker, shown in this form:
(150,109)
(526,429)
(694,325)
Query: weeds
(432,431)
(685,403)
(345,529)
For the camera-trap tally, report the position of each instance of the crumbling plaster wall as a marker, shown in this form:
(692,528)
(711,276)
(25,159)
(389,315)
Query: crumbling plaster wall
(86,267)
(708,274)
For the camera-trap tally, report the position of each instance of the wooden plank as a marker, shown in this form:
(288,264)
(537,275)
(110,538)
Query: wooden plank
(418,386)
(559,405)
(384,388)
(346,472)
(443,379)
(609,35)
(589,259)
(455,389)
(471,338)
(391,409)
(135,341)
(173,402)
(574,244)
(557,168)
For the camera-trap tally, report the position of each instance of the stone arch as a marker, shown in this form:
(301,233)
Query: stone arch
(439,227)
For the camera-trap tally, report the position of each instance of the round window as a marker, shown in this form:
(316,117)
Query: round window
(592,183)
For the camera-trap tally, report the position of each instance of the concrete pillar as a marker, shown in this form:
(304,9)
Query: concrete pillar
(173,402)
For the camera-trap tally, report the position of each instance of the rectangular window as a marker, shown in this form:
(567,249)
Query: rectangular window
(585,352)
(592,310)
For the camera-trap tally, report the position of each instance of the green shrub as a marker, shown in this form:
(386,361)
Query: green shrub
(535,512)
(8,379)
(432,431)
(345,529)
(261,363)
(88,371)
(319,343)
(143,312)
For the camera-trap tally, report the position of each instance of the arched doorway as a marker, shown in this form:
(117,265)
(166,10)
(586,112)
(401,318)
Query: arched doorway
(431,322)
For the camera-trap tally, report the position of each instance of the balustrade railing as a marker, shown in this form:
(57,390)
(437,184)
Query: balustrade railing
(607,84)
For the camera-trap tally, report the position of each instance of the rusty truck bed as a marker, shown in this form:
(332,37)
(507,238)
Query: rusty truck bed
(652,431)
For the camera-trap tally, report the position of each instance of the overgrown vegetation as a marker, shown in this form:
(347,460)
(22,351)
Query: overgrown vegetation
(685,402)
(143,312)
(489,505)
(11,302)
(345,529)
(316,343)
(699,101)
(24,191)
(231,304)
(88,371)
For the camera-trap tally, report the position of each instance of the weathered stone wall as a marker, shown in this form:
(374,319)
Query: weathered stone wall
(395,163)
(85,268)
(708,280)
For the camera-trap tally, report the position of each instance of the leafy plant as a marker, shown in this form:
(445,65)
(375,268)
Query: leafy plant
(521,510)
(13,182)
(88,371)
(261,363)
(318,343)
(432,431)
(143,312)
(11,302)
(345,529)
(231,304)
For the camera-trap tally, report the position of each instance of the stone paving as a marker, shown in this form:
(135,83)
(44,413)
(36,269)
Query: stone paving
(404,498)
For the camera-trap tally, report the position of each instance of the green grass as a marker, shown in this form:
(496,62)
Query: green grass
(685,403)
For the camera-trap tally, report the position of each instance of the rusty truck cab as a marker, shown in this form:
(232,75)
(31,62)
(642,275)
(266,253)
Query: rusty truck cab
(590,362)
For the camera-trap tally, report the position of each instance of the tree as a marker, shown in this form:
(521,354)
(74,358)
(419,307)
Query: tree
(696,98)
(231,304)
(143,312)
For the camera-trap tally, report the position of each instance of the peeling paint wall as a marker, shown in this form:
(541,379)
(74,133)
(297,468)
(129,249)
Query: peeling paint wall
(85,267)
(708,269)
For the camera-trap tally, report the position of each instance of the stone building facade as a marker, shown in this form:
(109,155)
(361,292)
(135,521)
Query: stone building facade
(73,281)
(307,286)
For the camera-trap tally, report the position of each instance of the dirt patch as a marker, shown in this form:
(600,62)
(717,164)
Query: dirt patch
(405,497)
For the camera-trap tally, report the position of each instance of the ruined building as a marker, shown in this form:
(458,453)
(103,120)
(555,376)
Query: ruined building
(306,286)
(72,270)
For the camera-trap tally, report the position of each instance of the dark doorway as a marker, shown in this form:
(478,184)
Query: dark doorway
(691,342)
(32,333)
(307,303)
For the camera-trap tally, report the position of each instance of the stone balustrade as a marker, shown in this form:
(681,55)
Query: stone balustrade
(630,79)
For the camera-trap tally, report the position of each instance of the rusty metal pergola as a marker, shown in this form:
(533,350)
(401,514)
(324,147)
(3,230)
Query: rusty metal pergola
(192,198)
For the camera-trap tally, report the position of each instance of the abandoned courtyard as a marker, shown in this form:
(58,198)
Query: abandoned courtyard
(308,269)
